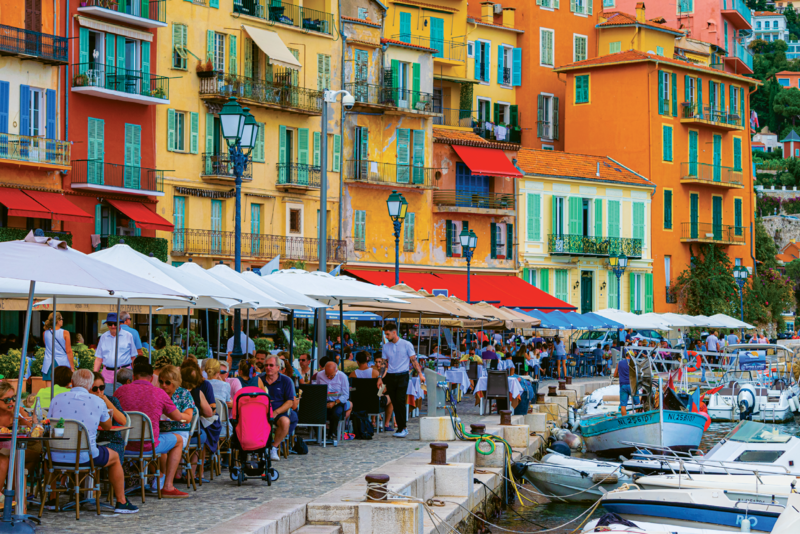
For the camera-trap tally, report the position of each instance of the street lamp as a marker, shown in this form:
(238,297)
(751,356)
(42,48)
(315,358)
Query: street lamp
(618,265)
(740,275)
(468,241)
(240,130)
(398,206)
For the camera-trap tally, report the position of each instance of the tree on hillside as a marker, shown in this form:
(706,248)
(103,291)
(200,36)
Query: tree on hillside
(787,103)
(759,5)
(792,22)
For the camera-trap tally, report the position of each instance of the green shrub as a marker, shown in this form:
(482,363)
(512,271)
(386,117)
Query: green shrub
(264,343)
(37,362)
(84,359)
(173,352)
(301,344)
(370,336)
(9,364)
(333,332)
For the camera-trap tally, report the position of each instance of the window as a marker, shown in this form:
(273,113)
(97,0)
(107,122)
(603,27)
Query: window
(180,37)
(562,284)
(547,117)
(504,65)
(408,233)
(667,270)
(636,292)
(295,221)
(579,47)
(762,457)
(582,89)
(737,216)
(499,234)
(668,209)
(323,72)
(608,3)
(180,131)
(689,82)
(360,230)
(452,231)
(531,277)
(774,24)
(482,60)
(659,50)
(218,52)
(685,6)
(558,215)
(548,3)
(666,143)
(548,147)
(484,110)
(582,7)
(546,39)
(502,113)
(663,93)
(362,13)
(758,25)
(615,47)
(35,111)
(470,48)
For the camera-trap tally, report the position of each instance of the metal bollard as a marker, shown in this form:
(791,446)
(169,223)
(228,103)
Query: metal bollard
(438,453)
(505,417)
(562,384)
(477,429)
(552,391)
(569,380)
(379,493)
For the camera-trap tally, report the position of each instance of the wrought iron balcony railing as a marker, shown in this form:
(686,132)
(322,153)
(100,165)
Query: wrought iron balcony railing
(155,10)
(133,82)
(388,96)
(742,53)
(468,199)
(220,165)
(190,241)
(692,110)
(714,174)
(280,91)
(299,174)
(453,117)
(712,233)
(505,76)
(34,149)
(581,245)
(390,173)
(49,48)
(449,50)
(512,134)
(284,13)
(100,173)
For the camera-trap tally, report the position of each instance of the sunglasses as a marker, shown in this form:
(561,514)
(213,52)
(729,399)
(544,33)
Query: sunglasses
(111,324)
(165,383)
(223,371)
(10,400)
(270,365)
(95,389)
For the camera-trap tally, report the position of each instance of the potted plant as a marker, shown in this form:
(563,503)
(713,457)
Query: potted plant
(58,430)
(159,92)
(205,69)
(79,80)
(37,382)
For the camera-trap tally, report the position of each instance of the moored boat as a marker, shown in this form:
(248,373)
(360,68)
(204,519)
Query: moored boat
(572,479)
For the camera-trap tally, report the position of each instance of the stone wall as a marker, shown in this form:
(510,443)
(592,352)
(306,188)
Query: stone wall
(782,229)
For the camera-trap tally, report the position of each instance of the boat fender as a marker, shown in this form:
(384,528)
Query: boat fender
(518,469)
(708,421)
(745,525)
(793,404)
(605,478)
(561,448)
(698,361)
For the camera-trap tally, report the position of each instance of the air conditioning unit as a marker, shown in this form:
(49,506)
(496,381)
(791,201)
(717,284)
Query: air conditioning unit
(498,9)
(124,230)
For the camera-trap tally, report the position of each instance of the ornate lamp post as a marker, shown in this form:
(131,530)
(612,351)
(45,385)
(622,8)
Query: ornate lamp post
(741,274)
(397,211)
(240,130)
(618,265)
(468,241)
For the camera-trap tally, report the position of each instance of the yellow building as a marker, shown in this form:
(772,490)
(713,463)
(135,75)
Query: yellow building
(621,31)
(577,211)
(276,58)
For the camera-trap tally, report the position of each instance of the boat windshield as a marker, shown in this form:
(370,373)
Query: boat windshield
(752,432)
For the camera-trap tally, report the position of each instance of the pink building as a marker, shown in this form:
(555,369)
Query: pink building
(724,23)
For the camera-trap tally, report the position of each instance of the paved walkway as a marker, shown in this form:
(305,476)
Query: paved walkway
(320,471)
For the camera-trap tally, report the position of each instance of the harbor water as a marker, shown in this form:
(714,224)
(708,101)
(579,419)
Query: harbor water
(536,518)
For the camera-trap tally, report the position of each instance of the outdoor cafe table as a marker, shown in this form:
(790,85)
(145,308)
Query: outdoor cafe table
(514,387)
(19,470)
(459,377)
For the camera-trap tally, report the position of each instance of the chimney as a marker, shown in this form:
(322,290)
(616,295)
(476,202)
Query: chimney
(598,169)
(487,12)
(508,17)
(640,12)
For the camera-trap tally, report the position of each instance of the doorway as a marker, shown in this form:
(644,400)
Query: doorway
(587,292)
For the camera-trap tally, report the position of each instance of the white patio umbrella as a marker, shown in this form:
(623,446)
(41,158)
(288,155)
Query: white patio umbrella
(732,321)
(284,295)
(631,320)
(656,318)
(676,319)
(708,321)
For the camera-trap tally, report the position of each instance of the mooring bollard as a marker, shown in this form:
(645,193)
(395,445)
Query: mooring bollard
(377,493)
(562,384)
(477,429)
(505,417)
(540,398)
(438,453)
(569,380)
(552,391)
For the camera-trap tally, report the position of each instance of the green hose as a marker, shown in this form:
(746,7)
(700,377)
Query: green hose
(481,438)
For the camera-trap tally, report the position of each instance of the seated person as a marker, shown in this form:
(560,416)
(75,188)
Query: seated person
(62,378)
(364,371)
(489,354)
(304,375)
(338,393)
(281,398)
(80,405)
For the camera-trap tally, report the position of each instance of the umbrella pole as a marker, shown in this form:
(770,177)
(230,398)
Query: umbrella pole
(52,352)
(208,333)
(116,352)
(341,336)
(219,335)
(419,332)
(149,336)
(247,342)
(9,491)
(313,356)
(188,330)
(291,336)
(439,336)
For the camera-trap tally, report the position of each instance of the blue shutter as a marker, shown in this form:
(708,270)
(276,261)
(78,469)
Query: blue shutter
(4,94)
(24,110)
(147,85)
(500,64)
(516,67)
(51,114)
(405,27)
(214,4)
(437,36)
(487,61)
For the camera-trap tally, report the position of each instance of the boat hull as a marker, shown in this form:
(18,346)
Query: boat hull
(682,431)
(574,484)
(691,515)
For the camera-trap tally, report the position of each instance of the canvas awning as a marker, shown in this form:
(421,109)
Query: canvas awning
(61,208)
(21,205)
(271,44)
(143,216)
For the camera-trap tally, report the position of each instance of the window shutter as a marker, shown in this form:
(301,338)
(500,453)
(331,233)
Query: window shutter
(667,143)
(612,290)
(448,236)
(572,6)
(613,218)
(648,293)
(540,116)
(493,232)
(487,61)
(693,201)
(509,241)
(667,209)
(337,153)
(259,148)
(209,148)
(302,146)
(741,108)
(282,155)
(194,138)
(83,54)
(737,216)
(128,154)
(598,217)
(415,84)
(544,280)
(722,97)
(96,150)
(248,58)
(405,27)
(98,221)
(214,4)
(737,154)
(24,110)
(408,233)
(4,96)
(575,219)
(320,72)
(477,60)
(496,109)
(554,214)
(674,95)
(638,221)
(50,127)
(232,61)
(120,53)
(437,36)
(589,6)
(209,44)
(147,85)
(514,112)
(110,60)
(555,118)
(418,157)
(632,291)
(516,67)
(687,92)
(660,93)
(732,99)
(317,143)
(534,217)
(403,154)
(692,153)
(500,63)
(170,129)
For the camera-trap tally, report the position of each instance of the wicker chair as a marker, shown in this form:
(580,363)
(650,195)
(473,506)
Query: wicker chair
(140,460)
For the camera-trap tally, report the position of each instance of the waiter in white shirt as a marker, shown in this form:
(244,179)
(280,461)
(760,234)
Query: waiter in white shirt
(399,355)
(109,355)
(248,346)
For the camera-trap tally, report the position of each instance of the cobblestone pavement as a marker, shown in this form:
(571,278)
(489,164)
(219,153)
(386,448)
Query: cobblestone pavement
(300,476)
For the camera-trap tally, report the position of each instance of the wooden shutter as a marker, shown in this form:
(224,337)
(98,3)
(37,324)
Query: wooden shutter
(737,216)
(170,129)
(554,214)
(638,221)
(120,60)
(133,155)
(194,128)
(210,44)
(699,85)
(575,219)
(437,36)
(248,59)
(415,84)
(660,94)
(554,133)
(418,156)
(408,233)
(255,218)
(667,143)
(716,216)
(337,153)
(50,127)
(232,51)
(259,155)
(493,232)
(496,114)
(214,4)
(544,280)
(487,61)
(693,202)
(509,241)
(24,110)
(448,236)
(98,221)
(667,209)
(632,292)
(4,97)
(722,97)
(282,154)
(500,63)
(209,148)
(403,154)
(598,217)
(613,218)
(516,67)
(405,27)
(534,217)
(648,293)
(96,151)
(692,153)
(317,143)
(674,95)
(737,153)
(540,116)
(476,61)
(613,290)
(83,50)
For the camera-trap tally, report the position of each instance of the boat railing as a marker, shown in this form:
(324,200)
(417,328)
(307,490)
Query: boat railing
(703,463)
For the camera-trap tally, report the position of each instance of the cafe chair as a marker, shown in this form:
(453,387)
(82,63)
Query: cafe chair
(364,396)
(191,447)
(140,460)
(224,446)
(497,389)
(313,410)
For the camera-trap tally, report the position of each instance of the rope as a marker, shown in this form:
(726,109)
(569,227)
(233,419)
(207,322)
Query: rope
(565,496)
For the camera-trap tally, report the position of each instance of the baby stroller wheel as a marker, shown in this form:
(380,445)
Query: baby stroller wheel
(234,472)
(273,474)
(241,477)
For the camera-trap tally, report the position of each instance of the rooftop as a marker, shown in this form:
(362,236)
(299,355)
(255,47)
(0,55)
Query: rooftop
(577,166)
(471,20)
(767,14)
(791,137)
(789,253)
(467,138)
(366,22)
(395,42)
(435,7)
(619,19)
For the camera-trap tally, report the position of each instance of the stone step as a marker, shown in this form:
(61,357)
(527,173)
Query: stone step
(319,529)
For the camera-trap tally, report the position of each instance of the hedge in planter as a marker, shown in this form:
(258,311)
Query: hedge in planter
(157,245)
(15,234)
(333,332)
(369,336)
(9,364)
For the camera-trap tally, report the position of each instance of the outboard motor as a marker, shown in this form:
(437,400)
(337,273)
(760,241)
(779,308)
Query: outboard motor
(747,402)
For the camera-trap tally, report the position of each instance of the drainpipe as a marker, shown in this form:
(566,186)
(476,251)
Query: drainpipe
(341,134)
(752,203)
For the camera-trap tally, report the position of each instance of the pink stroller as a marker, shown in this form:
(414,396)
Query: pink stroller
(252,436)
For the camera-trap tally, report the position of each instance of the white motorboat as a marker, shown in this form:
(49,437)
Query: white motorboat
(736,486)
(570,479)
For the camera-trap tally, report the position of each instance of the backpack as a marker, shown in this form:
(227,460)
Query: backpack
(300,446)
(362,426)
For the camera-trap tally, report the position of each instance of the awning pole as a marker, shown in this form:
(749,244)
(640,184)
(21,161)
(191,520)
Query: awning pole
(149,335)
(52,354)
(291,337)
(188,330)
(419,332)
(208,333)
(116,352)
(247,341)
(341,336)
(313,356)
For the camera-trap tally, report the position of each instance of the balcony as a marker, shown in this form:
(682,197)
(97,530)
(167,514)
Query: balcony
(461,118)
(298,177)
(157,245)
(738,14)
(218,168)
(145,14)
(581,245)
(447,50)
(97,175)
(376,96)
(279,93)
(309,20)
(710,116)
(706,173)
(376,172)
(257,246)
(470,202)
(26,44)
(17,234)
(513,134)
(34,152)
(741,61)
(720,234)
(114,83)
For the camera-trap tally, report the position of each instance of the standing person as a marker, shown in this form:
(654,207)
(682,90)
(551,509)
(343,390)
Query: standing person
(733,339)
(281,397)
(561,357)
(125,321)
(63,348)
(623,372)
(399,354)
(713,344)
(104,355)
(247,344)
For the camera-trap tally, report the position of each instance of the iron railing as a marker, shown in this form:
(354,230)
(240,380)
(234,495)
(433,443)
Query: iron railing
(146,9)
(285,13)
(513,134)
(740,6)
(581,245)
(390,173)
(278,91)
(221,165)
(388,96)
(135,82)
(16,234)
(708,172)
(453,117)
(34,149)
(97,172)
(449,50)
(30,43)
(692,110)
(671,296)
(712,232)
(740,51)
(190,241)
(299,174)
(468,199)
(505,77)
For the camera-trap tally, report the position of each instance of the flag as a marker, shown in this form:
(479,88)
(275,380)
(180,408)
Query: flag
(273,265)
(694,401)
(753,119)
(712,391)
(336,271)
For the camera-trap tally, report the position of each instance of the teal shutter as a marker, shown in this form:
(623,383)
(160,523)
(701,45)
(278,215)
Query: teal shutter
(554,215)
(487,61)
(737,153)
(534,217)
(598,217)
(147,87)
(317,143)
(500,64)
(476,60)
(405,27)
(255,218)
(667,209)
(687,92)
(509,241)
(722,98)
(692,153)
(214,4)
(337,153)
(403,155)
(493,235)
(178,209)
(674,95)
(121,80)
(699,84)
(660,93)
(613,290)
(638,221)
(737,216)
(233,64)
(170,129)
(648,292)
(516,67)
(418,156)
(743,117)
(717,155)
(408,233)
(693,214)
(544,280)
(667,143)
(716,208)
(194,138)
(302,156)
(258,153)
(632,292)
(437,35)
(83,50)
(133,155)
(448,236)
(613,218)
(209,142)
(111,58)
(96,151)
(209,44)
(98,221)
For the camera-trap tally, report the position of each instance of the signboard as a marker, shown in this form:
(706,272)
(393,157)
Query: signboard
(442,292)
(752,361)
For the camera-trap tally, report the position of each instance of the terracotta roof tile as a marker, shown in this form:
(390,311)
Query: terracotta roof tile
(635,56)
(788,73)
(468,138)
(618,18)
(409,45)
(422,4)
(567,165)
(766,14)
(362,21)
(789,253)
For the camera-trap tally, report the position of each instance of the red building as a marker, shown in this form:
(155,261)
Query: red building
(111,89)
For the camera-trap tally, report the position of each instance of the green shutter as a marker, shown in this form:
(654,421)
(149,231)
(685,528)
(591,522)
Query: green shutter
(598,217)
(722,98)
(553,215)
(613,218)
(248,58)
(660,93)
(716,217)
(120,61)
(476,60)
(737,216)
(98,221)
(743,117)
(147,86)
(687,92)
(555,118)
(317,143)
(83,54)
(415,84)
(667,142)
(337,153)
(693,215)
(194,138)
(209,44)
(534,217)
(111,58)
(448,236)
(544,280)
(575,216)
(232,50)
(674,95)
(496,115)
(403,155)
(209,142)
(493,232)
(302,155)
(133,155)
(96,151)
(631,291)
(667,209)
(638,221)
(737,153)
(418,156)
(613,290)
(648,293)
(562,284)
(717,158)
(692,153)
(259,155)
(170,129)
(282,155)
(699,85)
(514,110)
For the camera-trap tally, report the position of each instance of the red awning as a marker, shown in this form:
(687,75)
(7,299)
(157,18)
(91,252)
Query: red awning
(144,218)
(62,209)
(21,205)
(487,161)
(501,290)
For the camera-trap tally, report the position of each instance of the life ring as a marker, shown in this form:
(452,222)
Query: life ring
(698,364)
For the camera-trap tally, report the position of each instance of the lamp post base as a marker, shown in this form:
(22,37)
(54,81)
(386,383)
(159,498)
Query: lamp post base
(19,524)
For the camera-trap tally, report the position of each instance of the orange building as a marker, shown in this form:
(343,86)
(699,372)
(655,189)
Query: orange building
(787,78)
(682,125)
